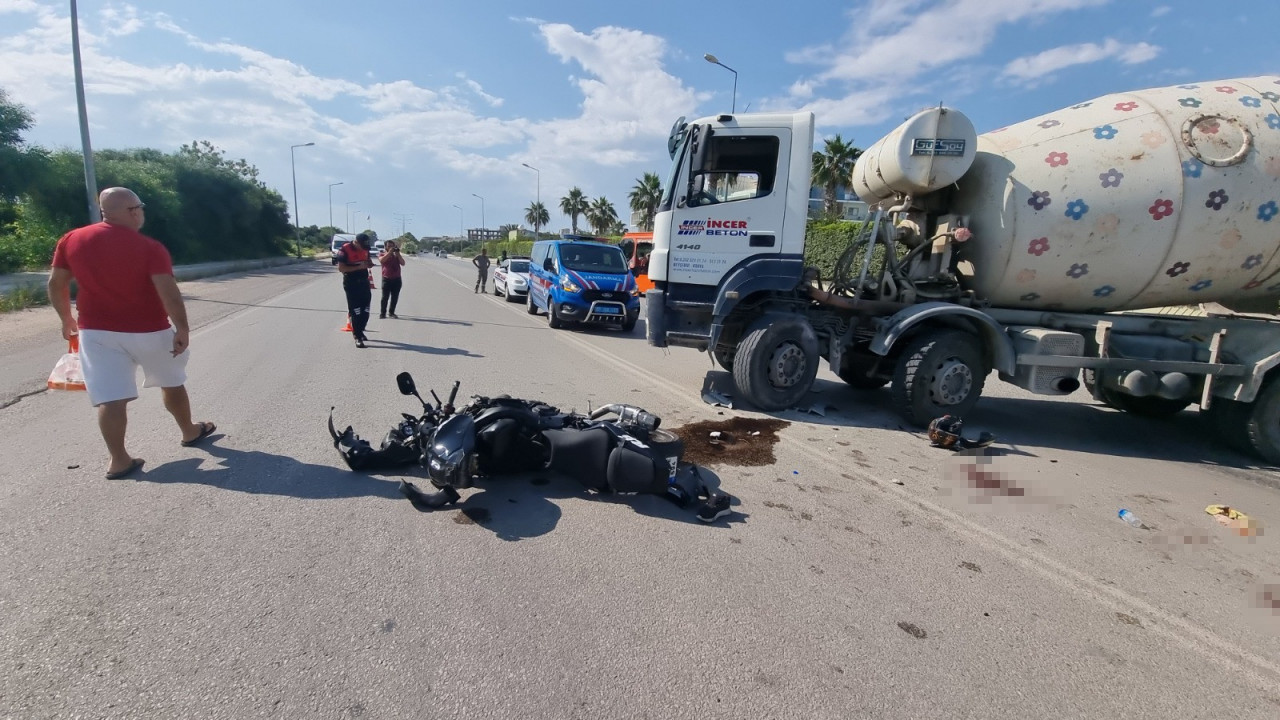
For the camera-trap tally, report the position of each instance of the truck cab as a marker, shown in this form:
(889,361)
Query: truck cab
(731,222)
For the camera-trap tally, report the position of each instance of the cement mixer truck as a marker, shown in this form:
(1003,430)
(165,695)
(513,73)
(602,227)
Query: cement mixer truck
(1048,251)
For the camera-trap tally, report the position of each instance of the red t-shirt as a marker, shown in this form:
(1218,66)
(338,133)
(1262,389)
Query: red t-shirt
(391,266)
(113,266)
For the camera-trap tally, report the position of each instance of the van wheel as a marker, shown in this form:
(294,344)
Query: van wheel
(776,361)
(940,372)
(530,307)
(629,323)
(553,321)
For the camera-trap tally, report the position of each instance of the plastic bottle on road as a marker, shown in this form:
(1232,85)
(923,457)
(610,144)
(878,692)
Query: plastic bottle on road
(1130,518)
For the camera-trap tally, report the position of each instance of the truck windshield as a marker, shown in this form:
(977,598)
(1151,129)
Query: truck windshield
(668,190)
(593,258)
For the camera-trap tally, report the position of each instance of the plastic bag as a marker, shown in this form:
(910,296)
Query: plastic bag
(66,374)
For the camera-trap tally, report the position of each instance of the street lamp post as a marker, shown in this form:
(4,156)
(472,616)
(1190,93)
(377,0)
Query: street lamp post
(297,231)
(347,227)
(90,179)
(461,223)
(539,196)
(481,210)
(712,59)
(331,187)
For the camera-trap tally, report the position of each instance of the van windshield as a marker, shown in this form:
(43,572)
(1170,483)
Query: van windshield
(593,258)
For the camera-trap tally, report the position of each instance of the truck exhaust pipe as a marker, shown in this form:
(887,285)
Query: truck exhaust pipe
(1065,385)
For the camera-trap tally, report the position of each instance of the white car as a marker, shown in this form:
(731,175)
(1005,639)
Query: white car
(512,279)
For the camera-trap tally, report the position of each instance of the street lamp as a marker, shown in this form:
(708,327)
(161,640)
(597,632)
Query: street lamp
(539,180)
(297,232)
(461,222)
(481,210)
(331,186)
(347,227)
(712,59)
(90,179)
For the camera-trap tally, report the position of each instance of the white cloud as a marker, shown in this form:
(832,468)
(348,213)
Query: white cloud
(119,20)
(479,91)
(1161,11)
(19,6)
(1033,68)
(893,47)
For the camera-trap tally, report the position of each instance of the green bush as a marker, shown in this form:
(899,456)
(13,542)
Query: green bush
(824,241)
(27,241)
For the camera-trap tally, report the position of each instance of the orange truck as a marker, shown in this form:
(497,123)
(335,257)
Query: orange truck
(637,246)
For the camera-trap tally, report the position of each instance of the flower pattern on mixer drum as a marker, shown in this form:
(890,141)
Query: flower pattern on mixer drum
(1270,96)
(1267,210)
(1178,268)
(1039,246)
(1226,89)
(1039,199)
(1104,132)
(1056,159)
(1078,270)
(1202,285)
(1250,101)
(1049,123)
(1216,200)
(1192,168)
(1128,106)
(1104,291)
(1111,178)
(1189,102)
(1251,262)
(1076,209)
(1273,121)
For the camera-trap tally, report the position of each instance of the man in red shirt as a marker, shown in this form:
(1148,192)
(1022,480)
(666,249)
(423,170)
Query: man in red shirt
(127,297)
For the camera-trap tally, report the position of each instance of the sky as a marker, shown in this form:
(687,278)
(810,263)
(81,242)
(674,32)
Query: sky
(428,112)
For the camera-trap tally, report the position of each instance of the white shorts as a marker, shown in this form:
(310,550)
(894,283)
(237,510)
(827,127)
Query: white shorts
(110,362)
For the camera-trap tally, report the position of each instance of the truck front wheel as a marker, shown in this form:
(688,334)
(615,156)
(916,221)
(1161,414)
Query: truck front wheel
(776,362)
(940,372)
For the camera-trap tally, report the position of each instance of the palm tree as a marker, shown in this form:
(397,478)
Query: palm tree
(537,216)
(645,197)
(832,168)
(573,205)
(601,215)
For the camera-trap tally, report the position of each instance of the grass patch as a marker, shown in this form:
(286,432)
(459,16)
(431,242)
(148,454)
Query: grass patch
(24,297)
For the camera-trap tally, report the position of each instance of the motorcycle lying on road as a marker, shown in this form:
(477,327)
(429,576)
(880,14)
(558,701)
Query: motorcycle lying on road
(617,448)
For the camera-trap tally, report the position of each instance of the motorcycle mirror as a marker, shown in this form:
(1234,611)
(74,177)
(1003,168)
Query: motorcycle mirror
(405,382)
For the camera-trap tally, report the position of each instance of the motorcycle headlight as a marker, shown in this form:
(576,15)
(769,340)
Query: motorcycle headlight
(569,285)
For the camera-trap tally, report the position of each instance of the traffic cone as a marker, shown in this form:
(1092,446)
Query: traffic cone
(371,285)
(348,327)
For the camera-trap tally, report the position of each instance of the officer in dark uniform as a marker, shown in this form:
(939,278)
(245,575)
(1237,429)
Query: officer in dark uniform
(354,264)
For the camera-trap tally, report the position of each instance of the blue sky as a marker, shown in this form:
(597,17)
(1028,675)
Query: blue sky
(414,107)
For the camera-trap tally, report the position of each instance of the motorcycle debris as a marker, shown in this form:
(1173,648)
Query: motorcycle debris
(715,399)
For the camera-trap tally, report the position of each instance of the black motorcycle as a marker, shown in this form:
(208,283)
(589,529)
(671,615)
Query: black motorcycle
(615,449)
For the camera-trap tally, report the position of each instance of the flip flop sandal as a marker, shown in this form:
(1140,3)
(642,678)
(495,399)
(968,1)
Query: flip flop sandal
(206,429)
(133,467)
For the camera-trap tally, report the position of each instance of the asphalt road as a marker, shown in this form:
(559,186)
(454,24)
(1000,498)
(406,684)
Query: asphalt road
(257,577)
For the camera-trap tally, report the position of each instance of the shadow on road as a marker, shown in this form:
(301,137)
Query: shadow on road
(1084,426)
(515,507)
(260,473)
(375,342)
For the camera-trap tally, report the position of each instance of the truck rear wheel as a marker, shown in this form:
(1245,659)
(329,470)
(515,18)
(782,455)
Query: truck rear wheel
(940,372)
(1263,422)
(776,362)
(1230,419)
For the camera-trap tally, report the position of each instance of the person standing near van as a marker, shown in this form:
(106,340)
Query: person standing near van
(481,262)
(391,262)
(354,264)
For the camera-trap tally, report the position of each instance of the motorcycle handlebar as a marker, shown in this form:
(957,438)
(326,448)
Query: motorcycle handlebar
(629,415)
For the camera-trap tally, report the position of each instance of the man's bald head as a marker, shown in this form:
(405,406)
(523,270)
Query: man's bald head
(121,206)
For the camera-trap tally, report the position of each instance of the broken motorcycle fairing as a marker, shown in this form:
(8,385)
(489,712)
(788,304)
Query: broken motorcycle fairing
(397,449)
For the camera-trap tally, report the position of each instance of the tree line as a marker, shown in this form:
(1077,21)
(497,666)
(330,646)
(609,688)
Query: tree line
(200,204)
